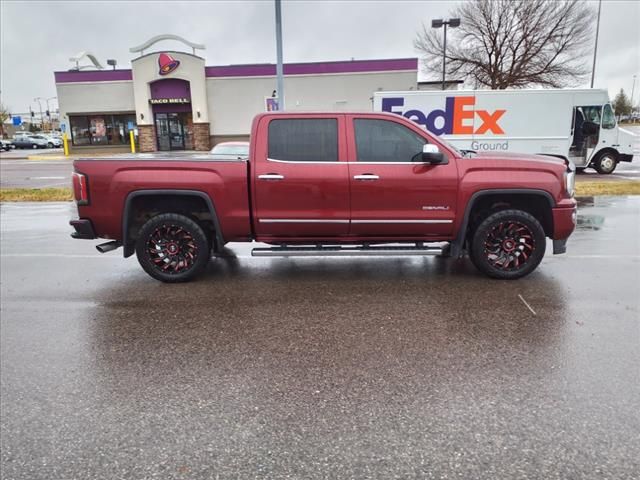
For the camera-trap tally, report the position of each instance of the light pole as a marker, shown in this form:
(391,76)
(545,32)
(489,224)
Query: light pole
(37,99)
(633,90)
(453,23)
(595,48)
(279,68)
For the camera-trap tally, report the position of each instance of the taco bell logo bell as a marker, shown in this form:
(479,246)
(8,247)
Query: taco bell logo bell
(167,63)
(455,119)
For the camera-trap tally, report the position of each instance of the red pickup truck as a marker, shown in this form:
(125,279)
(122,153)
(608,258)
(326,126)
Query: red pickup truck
(328,184)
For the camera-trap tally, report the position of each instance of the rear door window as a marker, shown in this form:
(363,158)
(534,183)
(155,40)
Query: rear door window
(304,139)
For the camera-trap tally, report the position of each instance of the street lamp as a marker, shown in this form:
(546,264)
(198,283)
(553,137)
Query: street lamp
(453,23)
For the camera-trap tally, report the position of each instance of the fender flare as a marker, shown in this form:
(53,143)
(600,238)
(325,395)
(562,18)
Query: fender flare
(129,249)
(457,245)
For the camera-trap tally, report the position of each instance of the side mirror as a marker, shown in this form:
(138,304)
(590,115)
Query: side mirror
(431,154)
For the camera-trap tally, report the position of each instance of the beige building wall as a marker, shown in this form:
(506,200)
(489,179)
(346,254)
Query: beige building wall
(234,101)
(84,98)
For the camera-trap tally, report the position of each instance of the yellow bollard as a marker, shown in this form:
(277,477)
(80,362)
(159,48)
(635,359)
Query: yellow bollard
(133,142)
(65,144)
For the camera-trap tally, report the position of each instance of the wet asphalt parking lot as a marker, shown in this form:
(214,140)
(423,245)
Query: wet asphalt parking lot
(319,368)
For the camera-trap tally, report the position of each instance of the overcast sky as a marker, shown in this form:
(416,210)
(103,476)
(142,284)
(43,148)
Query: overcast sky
(39,37)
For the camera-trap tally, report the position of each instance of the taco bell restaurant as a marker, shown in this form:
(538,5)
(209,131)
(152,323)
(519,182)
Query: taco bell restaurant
(171,100)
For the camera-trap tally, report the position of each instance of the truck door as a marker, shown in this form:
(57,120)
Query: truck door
(301,186)
(392,193)
(585,133)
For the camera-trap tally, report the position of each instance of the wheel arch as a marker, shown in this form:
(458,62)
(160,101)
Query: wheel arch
(604,150)
(458,244)
(129,210)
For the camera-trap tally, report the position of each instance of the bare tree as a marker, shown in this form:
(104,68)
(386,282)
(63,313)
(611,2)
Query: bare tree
(514,43)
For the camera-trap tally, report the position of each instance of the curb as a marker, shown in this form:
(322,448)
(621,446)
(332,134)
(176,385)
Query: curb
(48,157)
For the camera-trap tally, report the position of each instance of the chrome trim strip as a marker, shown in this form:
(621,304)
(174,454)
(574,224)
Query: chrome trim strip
(350,163)
(401,221)
(295,161)
(300,220)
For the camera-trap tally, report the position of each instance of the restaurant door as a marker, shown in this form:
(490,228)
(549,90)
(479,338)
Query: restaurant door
(170,131)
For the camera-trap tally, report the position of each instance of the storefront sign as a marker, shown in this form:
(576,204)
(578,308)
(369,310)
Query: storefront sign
(164,101)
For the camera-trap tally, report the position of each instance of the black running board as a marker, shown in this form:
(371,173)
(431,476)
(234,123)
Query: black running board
(356,251)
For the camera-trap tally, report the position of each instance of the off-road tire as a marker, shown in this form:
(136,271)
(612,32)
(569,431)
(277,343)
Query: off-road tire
(508,244)
(172,248)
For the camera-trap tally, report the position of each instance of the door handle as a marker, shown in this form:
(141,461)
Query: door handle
(366,176)
(271,176)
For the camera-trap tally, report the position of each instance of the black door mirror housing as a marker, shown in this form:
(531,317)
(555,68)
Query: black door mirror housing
(431,154)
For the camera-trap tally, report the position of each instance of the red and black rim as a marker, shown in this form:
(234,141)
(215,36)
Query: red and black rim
(172,249)
(509,245)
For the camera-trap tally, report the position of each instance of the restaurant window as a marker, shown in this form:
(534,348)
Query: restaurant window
(101,129)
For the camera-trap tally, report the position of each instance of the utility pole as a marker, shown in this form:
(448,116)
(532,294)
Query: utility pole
(595,48)
(633,90)
(279,68)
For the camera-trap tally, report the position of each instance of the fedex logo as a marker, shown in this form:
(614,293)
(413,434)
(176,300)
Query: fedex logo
(457,117)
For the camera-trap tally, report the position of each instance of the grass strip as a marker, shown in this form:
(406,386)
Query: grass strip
(35,194)
(607,188)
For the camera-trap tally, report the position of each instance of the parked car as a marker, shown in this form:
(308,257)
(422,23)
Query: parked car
(53,141)
(230,151)
(6,145)
(330,184)
(30,141)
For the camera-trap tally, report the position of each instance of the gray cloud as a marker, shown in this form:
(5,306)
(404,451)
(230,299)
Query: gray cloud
(37,38)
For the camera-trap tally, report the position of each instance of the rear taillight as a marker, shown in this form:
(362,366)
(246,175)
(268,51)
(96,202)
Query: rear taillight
(80,188)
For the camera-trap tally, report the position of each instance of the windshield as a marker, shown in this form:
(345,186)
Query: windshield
(239,150)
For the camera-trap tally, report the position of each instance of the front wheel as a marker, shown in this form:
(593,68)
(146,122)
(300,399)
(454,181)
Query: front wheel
(508,244)
(605,163)
(172,248)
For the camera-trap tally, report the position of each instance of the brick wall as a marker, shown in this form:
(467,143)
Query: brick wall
(147,138)
(201,139)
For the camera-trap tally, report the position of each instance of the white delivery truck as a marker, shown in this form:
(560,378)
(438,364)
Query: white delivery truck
(579,125)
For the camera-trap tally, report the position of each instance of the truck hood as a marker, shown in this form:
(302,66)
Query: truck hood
(518,157)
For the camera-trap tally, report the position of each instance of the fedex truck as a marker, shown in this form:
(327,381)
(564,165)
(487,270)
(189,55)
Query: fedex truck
(579,125)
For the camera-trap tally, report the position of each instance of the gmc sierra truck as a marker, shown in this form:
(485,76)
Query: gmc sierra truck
(329,184)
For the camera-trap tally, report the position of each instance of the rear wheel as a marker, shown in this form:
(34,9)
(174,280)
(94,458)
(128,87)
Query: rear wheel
(606,163)
(508,244)
(172,248)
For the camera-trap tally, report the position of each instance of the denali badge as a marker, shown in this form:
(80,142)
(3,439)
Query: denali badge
(435,207)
